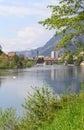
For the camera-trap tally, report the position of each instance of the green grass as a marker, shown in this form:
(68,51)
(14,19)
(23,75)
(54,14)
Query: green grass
(44,111)
(71,117)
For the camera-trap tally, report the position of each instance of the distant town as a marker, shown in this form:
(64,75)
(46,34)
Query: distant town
(55,57)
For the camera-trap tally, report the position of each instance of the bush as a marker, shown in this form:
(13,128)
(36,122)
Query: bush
(29,64)
(45,111)
(79,60)
(71,117)
(3,65)
(69,59)
(8,119)
(39,108)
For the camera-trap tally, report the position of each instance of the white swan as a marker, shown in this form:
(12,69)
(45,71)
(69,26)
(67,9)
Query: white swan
(14,77)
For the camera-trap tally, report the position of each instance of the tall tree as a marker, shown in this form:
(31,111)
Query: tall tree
(0,49)
(69,14)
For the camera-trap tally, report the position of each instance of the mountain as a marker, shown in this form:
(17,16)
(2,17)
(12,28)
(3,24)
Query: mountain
(49,46)
(77,42)
(44,50)
(74,42)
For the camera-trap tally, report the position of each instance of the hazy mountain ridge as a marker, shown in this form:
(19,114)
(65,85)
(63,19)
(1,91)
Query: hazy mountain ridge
(73,43)
(49,46)
(44,50)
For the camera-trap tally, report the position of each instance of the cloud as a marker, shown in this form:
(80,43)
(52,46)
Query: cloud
(54,2)
(12,44)
(30,37)
(30,31)
(22,11)
(13,10)
(36,35)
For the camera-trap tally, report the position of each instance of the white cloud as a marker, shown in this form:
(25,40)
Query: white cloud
(27,38)
(22,11)
(36,35)
(54,2)
(30,31)
(12,44)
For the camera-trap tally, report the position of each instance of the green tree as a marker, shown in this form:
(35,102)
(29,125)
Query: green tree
(69,59)
(65,40)
(39,107)
(3,61)
(16,62)
(1,50)
(79,60)
(8,119)
(69,14)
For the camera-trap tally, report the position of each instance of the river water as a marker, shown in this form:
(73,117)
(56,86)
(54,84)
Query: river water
(15,84)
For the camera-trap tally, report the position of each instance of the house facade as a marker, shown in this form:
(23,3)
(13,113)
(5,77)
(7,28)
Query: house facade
(11,54)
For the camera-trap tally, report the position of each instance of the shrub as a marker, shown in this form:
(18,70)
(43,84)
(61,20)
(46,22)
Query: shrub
(45,111)
(69,59)
(8,119)
(39,107)
(29,64)
(79,60)
(71,117)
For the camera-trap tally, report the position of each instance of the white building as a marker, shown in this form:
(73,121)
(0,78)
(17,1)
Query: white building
(57,54)
(54,54)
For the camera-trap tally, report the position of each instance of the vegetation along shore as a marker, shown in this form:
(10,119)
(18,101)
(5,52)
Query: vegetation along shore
(14,62)
(45,111)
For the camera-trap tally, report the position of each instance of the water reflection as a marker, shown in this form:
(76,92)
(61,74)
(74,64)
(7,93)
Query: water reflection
(61,79)
(65,79)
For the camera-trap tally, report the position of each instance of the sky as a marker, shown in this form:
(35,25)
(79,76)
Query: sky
(19,28)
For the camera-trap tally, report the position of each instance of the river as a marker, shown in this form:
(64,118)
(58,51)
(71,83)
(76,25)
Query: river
(15,84)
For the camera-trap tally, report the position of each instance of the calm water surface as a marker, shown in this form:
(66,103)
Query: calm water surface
(15,84)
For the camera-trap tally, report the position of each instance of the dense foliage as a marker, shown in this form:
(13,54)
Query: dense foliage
(69,14)
(46,111)
(8,119)
(14,62)
(67,18)
(65,39)
(71,117)
(39,108)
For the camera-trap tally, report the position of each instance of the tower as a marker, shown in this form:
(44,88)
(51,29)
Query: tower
(37,53)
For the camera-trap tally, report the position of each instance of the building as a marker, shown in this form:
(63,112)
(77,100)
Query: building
(11,54)
(54,54)
(57,54)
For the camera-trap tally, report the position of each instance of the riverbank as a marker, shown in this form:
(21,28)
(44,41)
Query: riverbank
(15,62)
(45,111)
(71,117)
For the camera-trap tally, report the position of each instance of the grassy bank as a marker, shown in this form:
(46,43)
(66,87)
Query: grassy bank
(15,62)
(70,117)
(45,111)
